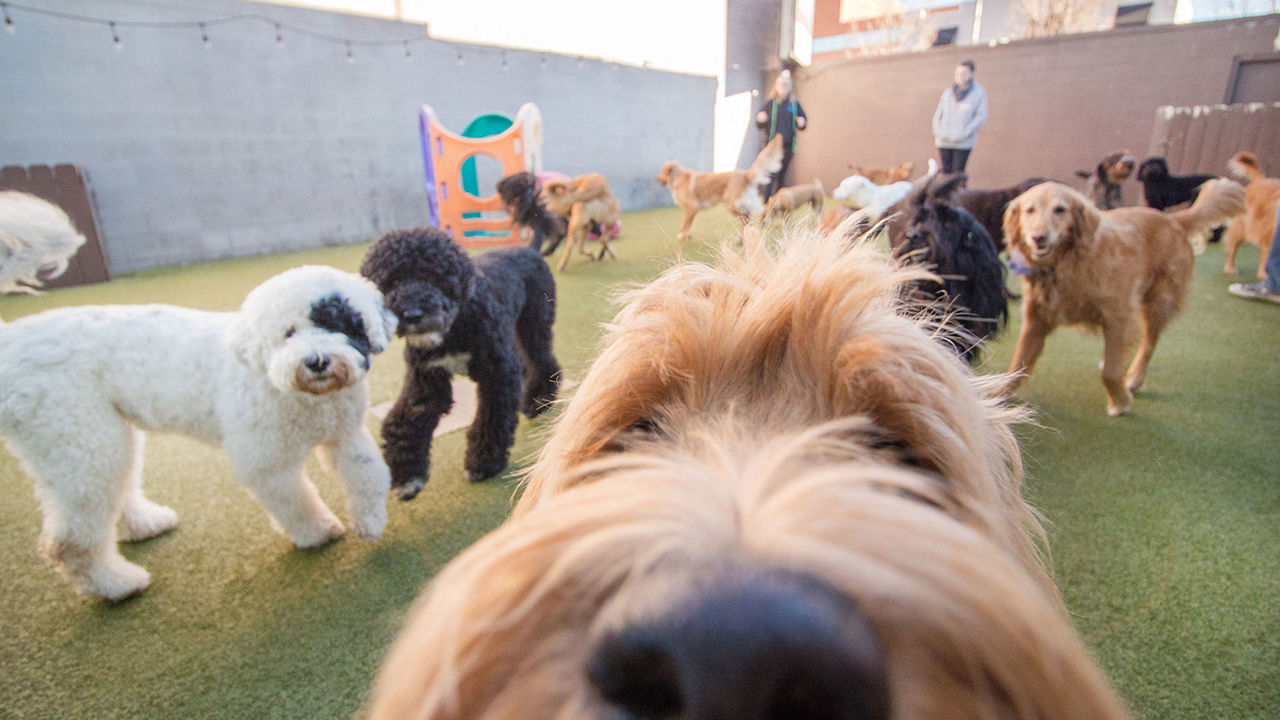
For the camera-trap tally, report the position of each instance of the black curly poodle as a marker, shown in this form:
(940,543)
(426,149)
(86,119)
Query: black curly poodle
(489,318)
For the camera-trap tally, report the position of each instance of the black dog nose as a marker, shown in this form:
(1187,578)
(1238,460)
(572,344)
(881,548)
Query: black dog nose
(782,646)
(412,315)
(316,362)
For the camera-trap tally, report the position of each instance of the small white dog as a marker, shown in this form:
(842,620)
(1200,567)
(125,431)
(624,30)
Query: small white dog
(284,375)
(875,199)
(37,241)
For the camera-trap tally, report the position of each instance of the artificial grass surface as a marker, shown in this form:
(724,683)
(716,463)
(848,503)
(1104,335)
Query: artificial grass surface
(1165,524)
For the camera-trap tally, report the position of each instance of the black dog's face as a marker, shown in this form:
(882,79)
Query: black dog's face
(1152,169)
(931,225)
(426,311)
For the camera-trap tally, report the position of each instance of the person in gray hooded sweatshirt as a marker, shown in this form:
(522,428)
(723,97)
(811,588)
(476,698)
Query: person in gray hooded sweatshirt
(962,109)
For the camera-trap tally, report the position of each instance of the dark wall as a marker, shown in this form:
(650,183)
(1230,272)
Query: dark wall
(1056,104)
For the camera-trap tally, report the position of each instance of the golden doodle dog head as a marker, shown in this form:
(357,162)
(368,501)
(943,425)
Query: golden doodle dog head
(774,495)
(1045,220)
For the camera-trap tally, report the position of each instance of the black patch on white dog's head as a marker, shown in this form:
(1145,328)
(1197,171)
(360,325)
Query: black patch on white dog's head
(336,315)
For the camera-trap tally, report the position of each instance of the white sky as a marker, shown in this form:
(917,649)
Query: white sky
(629,32)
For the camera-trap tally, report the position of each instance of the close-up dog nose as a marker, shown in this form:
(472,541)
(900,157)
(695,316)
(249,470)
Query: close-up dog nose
(782,646)
(412,316)
(316,362)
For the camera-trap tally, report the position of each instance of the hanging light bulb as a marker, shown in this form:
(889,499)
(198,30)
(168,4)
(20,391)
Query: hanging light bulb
(279,36)
(581,62)
(460,60)
(505,67)
(407,55)
(542,61)
(9,27)
(115,37)
(204,37)
(351,58)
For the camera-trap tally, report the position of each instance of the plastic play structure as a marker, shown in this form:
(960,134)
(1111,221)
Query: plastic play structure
(453,195)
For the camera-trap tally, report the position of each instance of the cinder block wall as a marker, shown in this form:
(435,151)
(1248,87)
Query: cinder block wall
(250,146)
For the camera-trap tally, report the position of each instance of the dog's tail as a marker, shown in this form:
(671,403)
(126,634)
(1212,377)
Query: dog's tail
(768,162)
(1219,201)
(566,195)
(1244,165)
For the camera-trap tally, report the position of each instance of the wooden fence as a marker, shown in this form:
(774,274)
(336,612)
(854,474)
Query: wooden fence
(64,186)
(1201,138)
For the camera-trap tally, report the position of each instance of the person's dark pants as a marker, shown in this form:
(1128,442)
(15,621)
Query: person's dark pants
(778,180)
(953,159)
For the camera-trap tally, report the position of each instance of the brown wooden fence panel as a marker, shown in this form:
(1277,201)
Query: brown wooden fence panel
(1202,139)
(64,186)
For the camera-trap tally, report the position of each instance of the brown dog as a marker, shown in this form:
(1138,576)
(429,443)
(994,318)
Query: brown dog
(736,189)
(884,175)
(1259,222)
(773,490)
(586,200)
(1104,182)
(1126,271)
(789,199)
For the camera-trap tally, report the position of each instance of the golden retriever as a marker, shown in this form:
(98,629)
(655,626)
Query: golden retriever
(789,199)
(585,200)
(1259,221)
(1126,271)
(735,189)
(883,175)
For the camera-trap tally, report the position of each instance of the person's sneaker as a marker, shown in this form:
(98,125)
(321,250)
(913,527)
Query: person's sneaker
(1256,291)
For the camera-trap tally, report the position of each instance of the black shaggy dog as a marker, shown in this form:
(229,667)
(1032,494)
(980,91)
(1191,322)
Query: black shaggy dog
(1162,190)
(489,318)
(955,246)
(987,206)
(521,194)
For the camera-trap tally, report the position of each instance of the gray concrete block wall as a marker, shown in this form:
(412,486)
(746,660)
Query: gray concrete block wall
(249,146)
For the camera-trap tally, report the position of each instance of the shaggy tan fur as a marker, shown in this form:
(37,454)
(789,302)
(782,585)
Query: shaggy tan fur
(1125,271)
(884,175)
(735,189)
(585,199)
(777,411)
(1259,222)
(789,199)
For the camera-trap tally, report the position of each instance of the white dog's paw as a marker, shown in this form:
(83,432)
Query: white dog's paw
(113,578)
(370,527)
(146,520)
(1117,410)
(324,530)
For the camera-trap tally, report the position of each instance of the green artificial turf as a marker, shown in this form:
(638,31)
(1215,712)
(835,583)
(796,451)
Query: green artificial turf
(1165,524)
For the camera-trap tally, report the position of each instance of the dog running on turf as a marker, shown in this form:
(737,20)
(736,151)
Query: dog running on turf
(490,319)
(775,495)
(521,195)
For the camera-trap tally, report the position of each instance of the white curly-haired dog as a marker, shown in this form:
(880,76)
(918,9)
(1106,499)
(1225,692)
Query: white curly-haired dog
(37,240)
(284,375)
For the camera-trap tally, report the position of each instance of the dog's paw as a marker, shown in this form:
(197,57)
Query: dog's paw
(410,488)
(370,528)
(476,476)
(114,579)
(146,520)
(325,530)
(1117,410)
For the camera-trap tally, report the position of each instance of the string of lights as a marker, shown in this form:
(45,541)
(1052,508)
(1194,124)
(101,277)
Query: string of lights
(203,26)
(281,28)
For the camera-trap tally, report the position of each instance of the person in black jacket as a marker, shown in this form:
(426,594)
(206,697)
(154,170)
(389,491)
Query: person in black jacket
(782,115)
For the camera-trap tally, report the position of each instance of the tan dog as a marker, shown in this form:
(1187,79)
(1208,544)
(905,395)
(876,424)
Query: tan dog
(773,489)
(1259,222)
(884,175)
(1125,271)
(789,199)
(585,200)
(736,189)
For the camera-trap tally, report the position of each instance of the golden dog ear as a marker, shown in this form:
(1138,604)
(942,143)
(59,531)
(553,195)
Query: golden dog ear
(1085,218)
(1012,223)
